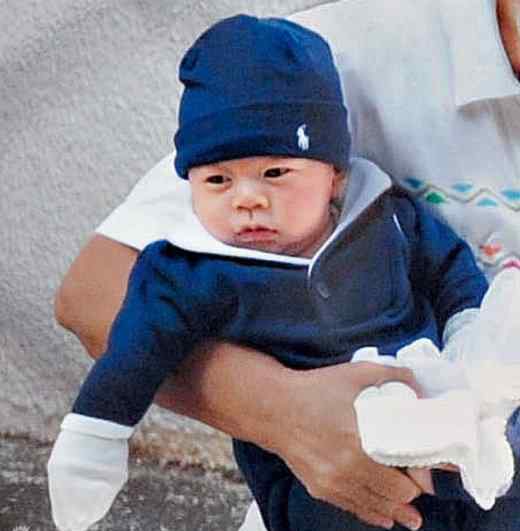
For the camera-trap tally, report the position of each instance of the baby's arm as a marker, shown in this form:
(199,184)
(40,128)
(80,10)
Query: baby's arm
(150,337)
(442,265)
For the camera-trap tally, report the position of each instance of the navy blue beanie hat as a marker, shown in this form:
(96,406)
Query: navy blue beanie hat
(256,87)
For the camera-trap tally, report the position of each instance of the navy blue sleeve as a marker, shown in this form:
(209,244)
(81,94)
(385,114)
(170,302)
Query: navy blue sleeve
(442,265)
(166,312)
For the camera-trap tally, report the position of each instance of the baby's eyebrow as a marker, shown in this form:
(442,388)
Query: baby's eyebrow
(209,169)
(280,161)
(279,158)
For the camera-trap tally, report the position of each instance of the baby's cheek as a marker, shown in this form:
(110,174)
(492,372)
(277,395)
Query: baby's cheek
(221,232)
(215,223)
(311,210)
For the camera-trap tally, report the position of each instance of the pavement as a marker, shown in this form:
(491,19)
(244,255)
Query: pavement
(155,498)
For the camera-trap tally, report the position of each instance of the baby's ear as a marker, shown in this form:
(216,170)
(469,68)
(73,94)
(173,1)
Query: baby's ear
(339,183)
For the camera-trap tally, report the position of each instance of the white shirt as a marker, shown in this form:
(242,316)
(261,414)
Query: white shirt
(432,99)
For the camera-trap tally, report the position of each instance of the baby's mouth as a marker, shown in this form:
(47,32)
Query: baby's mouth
(255,234)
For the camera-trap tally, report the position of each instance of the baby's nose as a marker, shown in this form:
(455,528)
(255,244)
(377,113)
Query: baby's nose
(250,196)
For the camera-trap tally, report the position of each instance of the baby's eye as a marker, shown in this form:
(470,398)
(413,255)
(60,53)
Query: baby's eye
(216,179)
(275,172)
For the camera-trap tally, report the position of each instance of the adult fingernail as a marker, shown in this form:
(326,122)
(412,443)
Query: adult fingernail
(414,525)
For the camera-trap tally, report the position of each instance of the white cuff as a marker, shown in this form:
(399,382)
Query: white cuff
(97,427)
(457,322)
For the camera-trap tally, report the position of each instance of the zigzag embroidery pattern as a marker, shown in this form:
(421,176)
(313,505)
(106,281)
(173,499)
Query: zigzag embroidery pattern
(464,192)
(490,255)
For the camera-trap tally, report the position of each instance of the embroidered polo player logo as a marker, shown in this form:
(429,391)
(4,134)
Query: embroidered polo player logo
(303,138)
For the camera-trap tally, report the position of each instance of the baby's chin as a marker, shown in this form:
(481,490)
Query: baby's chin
(265,247)
(271,247)
(262,241)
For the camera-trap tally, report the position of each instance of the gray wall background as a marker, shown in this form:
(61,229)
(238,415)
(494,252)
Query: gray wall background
(88,96)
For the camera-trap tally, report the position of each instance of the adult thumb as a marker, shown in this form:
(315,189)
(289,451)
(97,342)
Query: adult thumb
(374,374)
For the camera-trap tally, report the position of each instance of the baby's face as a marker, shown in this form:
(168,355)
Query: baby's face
(273,204)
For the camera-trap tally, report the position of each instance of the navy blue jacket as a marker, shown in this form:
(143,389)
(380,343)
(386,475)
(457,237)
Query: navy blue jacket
(392,275)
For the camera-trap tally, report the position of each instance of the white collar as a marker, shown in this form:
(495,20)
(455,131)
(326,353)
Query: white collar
(366,183)
(481,67)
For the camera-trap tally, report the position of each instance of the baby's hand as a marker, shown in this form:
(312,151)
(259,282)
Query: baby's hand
(87,469)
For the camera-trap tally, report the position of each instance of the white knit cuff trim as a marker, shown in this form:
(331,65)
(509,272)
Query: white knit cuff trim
(97,427)
(457,322)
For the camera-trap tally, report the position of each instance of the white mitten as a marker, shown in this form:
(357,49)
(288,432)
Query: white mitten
(87,469)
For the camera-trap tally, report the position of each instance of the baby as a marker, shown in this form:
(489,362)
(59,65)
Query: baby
(290,247)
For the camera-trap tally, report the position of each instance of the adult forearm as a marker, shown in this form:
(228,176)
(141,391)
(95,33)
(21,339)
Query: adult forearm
(92,291)
(232,388)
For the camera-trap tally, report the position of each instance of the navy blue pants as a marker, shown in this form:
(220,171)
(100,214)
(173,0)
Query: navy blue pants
(307,514)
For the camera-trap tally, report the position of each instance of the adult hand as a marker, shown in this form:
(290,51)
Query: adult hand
(423,476)
(320,443)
